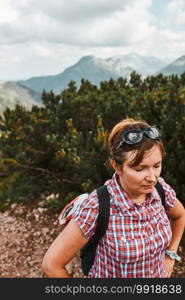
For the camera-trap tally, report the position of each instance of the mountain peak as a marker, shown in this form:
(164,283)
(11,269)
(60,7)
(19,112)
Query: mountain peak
(181,57)
(176,67)
(180,61)
(86,58)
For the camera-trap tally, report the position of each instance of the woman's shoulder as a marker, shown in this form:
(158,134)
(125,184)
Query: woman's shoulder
(86,214)
(165,185)
(170,194)
(90,201)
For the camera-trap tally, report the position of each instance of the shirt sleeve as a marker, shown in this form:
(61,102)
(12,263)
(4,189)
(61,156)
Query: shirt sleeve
(86,215)
(170,194)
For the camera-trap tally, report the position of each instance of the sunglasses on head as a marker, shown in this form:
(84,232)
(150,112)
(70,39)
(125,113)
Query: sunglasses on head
(132,137)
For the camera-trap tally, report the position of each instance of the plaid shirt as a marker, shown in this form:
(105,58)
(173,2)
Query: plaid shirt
(137,234)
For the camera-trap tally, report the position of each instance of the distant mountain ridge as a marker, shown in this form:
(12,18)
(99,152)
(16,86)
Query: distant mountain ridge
(96,70)
(88,67)
(145,65)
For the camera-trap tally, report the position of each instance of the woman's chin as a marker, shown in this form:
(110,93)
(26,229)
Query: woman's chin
(147,189)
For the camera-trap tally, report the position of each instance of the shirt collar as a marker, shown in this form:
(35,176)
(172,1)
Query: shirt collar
(117,193)
(121,197)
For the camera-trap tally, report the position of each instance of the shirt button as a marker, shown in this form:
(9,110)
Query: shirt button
(151,272)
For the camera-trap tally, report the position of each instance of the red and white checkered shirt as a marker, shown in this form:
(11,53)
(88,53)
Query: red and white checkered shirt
(137,234)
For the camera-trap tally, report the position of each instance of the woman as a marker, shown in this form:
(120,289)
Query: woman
(139,241)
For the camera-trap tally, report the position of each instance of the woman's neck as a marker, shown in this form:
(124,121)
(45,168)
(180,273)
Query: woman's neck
(137,198)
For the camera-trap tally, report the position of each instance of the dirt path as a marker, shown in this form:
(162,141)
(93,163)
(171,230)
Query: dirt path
(26,234)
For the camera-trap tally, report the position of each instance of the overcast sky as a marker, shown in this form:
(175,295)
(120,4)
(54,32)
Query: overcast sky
(43,37)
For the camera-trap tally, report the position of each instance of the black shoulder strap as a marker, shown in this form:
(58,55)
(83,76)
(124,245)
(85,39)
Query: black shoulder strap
(89,250)
(160,190)
(104,213)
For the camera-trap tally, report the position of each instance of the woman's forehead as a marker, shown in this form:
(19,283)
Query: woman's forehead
(152,155)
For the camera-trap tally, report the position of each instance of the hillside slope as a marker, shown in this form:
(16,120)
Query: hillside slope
(12,93)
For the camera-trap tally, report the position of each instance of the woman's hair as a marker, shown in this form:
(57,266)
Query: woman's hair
(120,155)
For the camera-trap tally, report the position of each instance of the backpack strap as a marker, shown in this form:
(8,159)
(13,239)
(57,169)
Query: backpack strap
(160,191)
(87,253)
(102,220)
(104,213)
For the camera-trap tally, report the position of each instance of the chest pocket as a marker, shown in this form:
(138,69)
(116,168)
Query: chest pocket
(127,242)
(127,249)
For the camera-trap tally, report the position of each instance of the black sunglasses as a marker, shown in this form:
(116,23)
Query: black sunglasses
(132,137)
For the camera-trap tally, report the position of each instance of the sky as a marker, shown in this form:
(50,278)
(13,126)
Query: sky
(43,37)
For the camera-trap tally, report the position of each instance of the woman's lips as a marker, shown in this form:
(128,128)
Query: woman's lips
(148,186)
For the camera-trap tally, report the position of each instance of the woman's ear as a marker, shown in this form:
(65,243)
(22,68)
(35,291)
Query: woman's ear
(117,168)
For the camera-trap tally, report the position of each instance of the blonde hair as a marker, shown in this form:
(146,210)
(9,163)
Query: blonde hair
(119,155)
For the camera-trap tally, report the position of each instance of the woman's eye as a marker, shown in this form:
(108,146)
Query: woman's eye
(157,166)
(138,170)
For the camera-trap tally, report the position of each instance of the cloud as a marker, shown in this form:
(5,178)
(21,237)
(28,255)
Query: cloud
(70,11)
(7,14)
(176,13)
(22,61)
(43,37)
(121,28)
(95,23)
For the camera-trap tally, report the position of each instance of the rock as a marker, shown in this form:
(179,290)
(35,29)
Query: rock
(52,197)
(45,230)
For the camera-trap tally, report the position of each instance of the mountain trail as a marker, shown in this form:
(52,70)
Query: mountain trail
(25,236)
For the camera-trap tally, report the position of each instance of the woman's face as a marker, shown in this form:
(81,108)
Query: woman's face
(141,179)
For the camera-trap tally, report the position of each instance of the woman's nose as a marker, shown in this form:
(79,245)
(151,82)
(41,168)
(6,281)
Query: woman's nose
(151,177)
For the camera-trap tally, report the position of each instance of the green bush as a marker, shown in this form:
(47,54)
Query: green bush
(61,148)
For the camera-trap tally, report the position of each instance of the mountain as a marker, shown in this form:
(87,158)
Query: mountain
(28,92)
(12,93)
(145,65)
(96,70)
(37,84)
(88,67)
(177,67)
